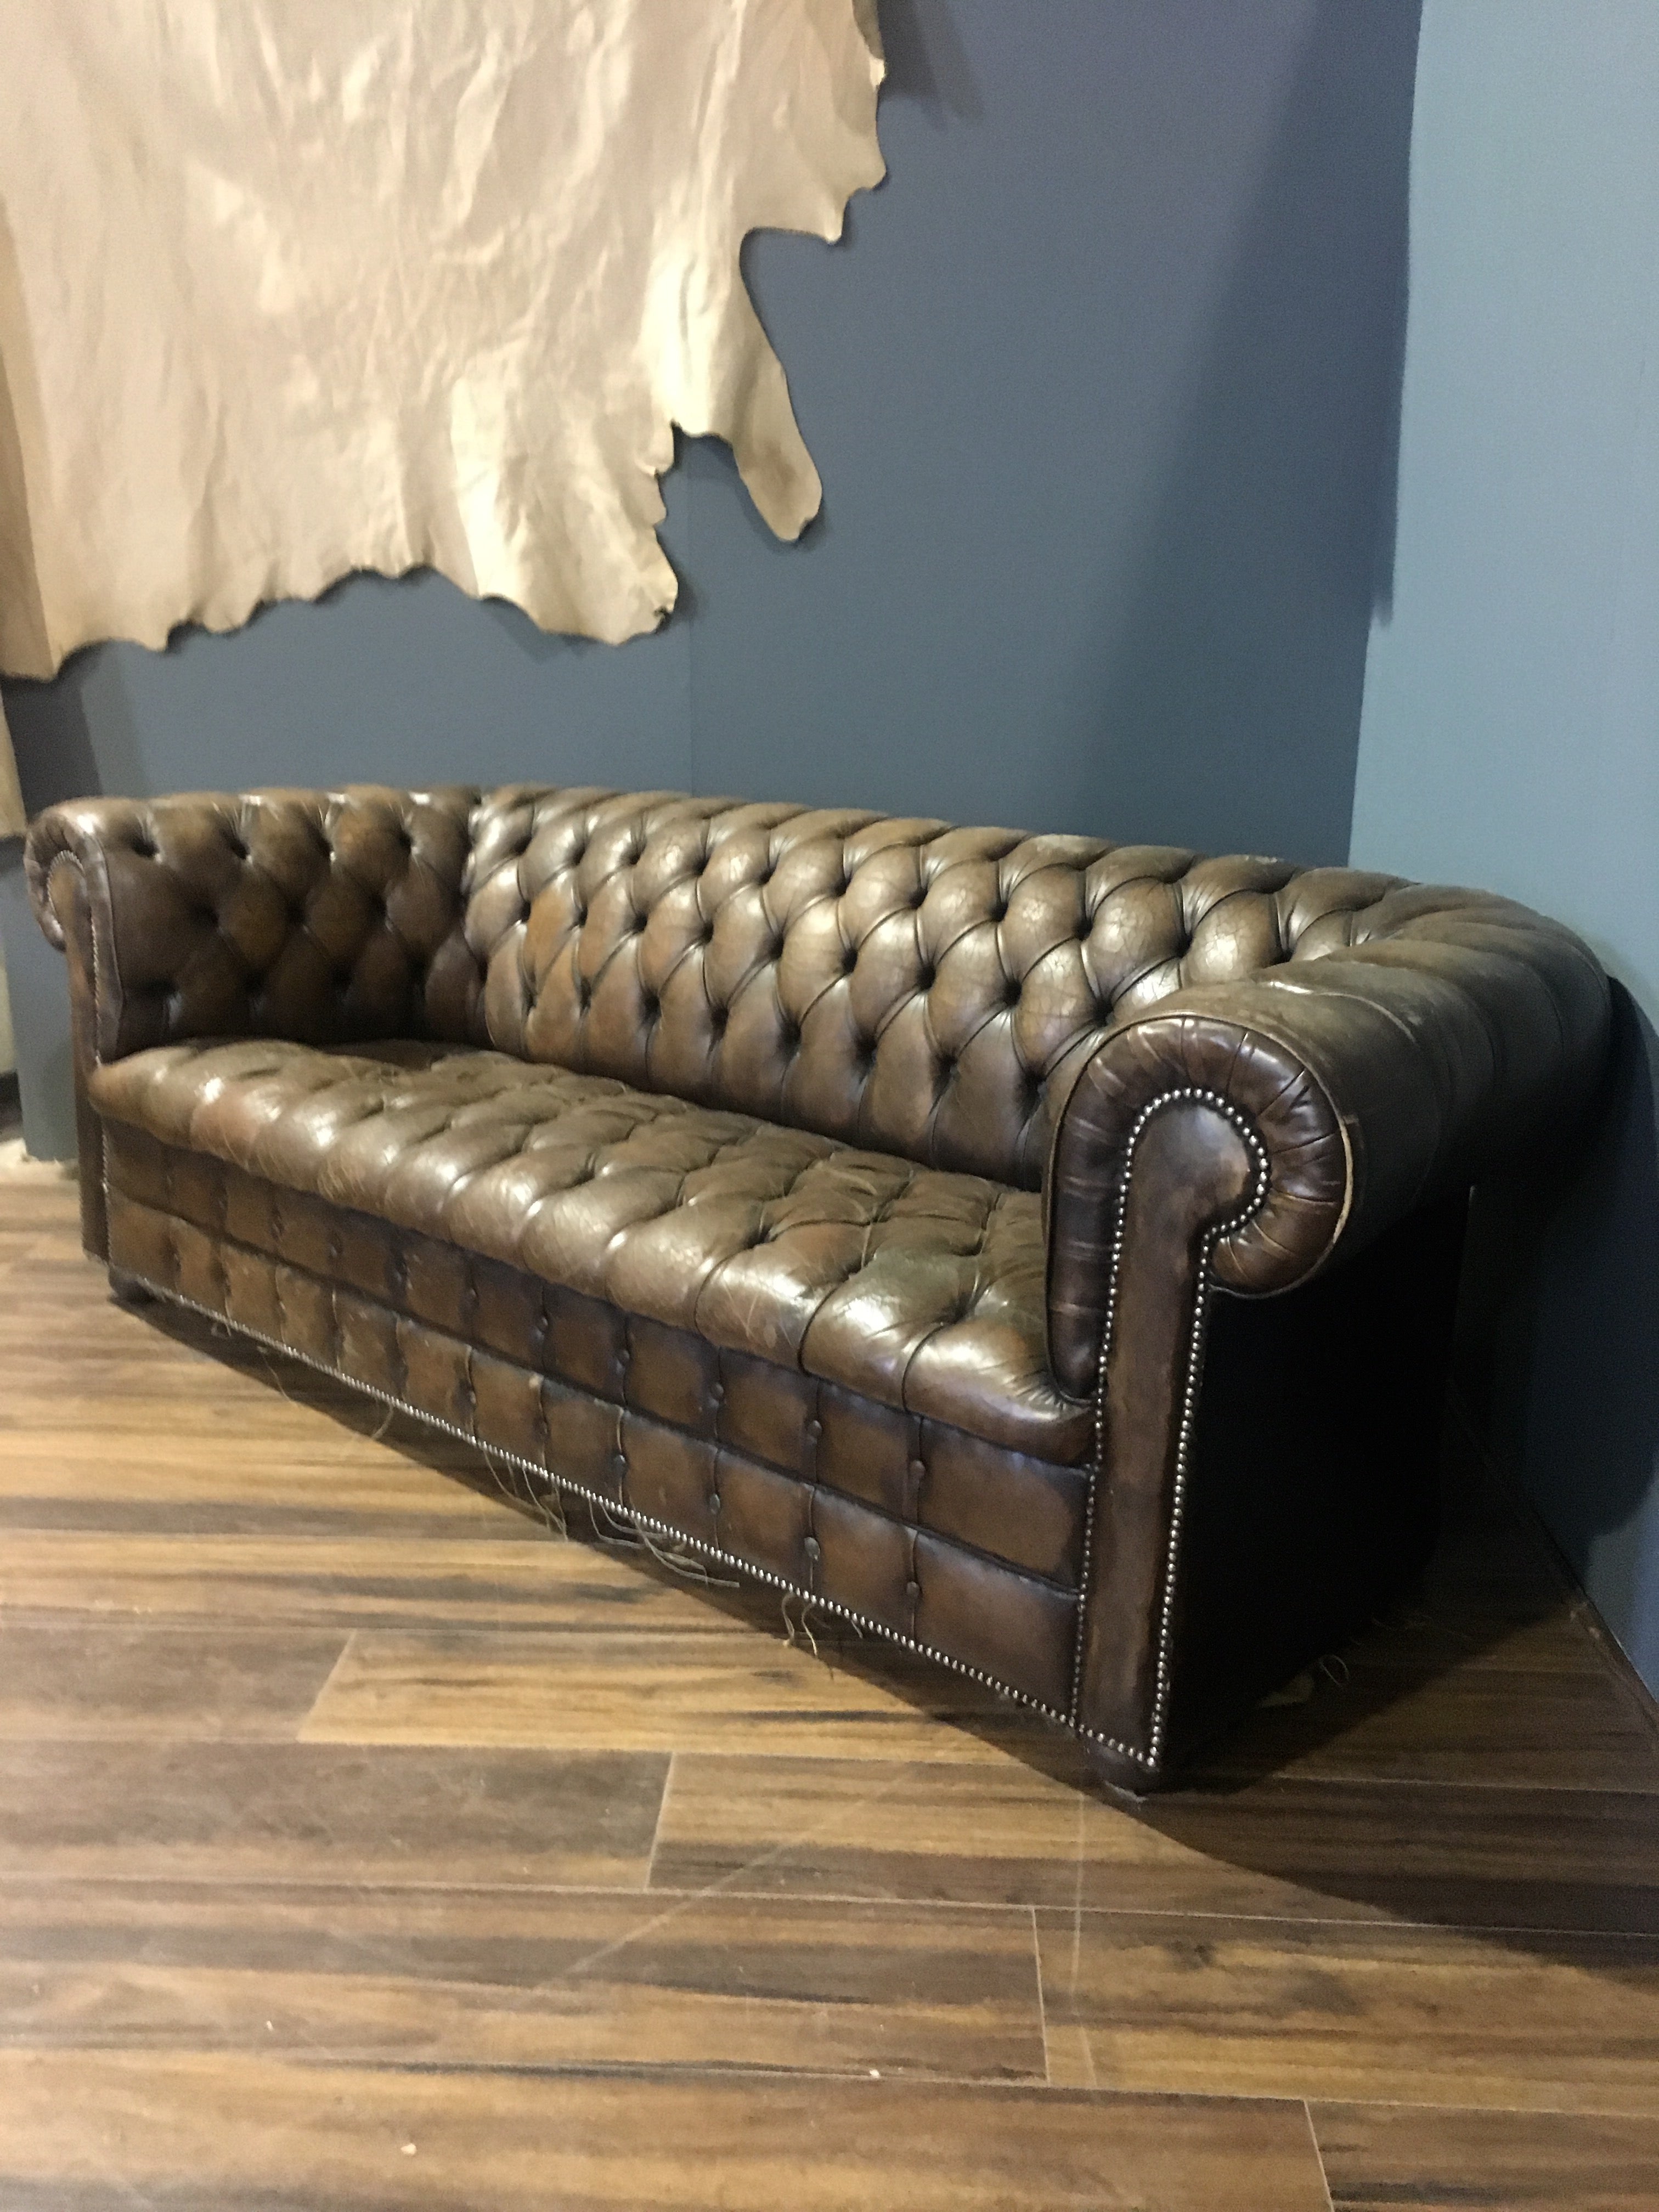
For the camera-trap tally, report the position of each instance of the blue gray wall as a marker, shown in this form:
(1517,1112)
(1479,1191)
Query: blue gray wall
(1103,385)
(1511,735)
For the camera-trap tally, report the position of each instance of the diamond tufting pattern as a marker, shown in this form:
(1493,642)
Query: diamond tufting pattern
(921,1289)
(900,984)
(322,915)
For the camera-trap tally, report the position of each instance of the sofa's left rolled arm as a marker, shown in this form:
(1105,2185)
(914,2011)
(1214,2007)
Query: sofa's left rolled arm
(324,915)
(329,916)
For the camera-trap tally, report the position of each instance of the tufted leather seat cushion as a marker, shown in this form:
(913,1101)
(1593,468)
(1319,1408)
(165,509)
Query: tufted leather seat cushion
(920,1289)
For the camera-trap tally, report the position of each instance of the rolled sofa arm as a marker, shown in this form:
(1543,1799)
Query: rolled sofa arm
(320,915)
(1363,1083)
(1247,1133)
(324,916)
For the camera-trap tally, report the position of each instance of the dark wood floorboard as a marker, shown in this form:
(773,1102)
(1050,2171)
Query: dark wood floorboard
(346,1807)
(1403,2158)
(228,2134)
(520,1977)
(97,1810)
(1412,2015)
(213,1680)
(1296,1847)
(668,1691)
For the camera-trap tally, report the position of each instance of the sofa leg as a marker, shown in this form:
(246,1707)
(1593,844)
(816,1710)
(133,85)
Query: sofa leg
(1126,1779)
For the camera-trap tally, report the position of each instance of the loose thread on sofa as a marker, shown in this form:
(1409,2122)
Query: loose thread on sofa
(684,1564)
(803,1626)
(548,1509)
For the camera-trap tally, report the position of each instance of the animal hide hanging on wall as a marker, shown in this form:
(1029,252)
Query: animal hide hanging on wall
(291,287)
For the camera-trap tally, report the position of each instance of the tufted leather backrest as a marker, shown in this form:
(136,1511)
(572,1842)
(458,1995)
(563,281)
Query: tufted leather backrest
(918,989)
(903,985)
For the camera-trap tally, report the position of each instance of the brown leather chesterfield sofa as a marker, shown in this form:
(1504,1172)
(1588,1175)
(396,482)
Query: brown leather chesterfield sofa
(1038,1251)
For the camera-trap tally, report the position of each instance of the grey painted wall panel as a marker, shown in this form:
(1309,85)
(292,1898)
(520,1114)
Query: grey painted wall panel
(1510,734)
(1102,388)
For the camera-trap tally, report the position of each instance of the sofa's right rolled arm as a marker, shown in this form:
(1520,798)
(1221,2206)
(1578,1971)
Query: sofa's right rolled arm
(1370,1081)
(1247,1133)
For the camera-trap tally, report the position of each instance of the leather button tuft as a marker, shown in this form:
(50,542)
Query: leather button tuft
(811,1547)
(713,1501)
(913,1591)
(814,1431)
(717,1393)
(918,1470)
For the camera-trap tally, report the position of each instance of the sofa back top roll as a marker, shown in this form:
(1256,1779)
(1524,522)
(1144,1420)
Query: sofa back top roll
(918,989)
(900,984)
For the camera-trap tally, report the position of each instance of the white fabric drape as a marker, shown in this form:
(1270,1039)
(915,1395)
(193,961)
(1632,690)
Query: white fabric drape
(289,288)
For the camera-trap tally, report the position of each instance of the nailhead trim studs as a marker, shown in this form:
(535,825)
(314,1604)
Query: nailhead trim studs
(1185,1094)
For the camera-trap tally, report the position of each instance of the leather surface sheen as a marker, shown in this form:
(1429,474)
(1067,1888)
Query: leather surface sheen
(868,1121)
(899,984)
(923,1290)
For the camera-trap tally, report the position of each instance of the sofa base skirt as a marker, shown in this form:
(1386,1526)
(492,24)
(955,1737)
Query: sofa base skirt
(1011,1632)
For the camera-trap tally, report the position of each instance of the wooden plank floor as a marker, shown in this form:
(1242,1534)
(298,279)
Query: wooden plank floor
(364,1844)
